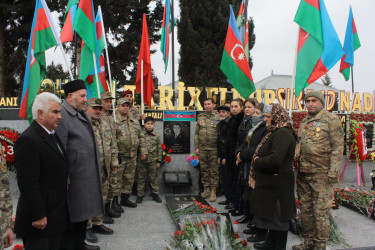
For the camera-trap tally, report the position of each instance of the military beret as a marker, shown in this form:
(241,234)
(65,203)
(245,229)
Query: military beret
(127,92)
(106,95)
(73,86)
(123,100)
(316,94)
(94,102)
(223,107)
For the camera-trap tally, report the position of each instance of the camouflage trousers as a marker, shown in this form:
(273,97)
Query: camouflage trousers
(209,168)
(113,184)
(127,169)
(315,194)
(144,169)
(3,228)
(98,220)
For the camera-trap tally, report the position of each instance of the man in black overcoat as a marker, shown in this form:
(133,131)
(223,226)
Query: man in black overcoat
(42,172)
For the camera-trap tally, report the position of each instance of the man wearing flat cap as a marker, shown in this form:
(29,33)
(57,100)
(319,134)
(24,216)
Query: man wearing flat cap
(320,150)
(107,100)
(84,195)
(130,141)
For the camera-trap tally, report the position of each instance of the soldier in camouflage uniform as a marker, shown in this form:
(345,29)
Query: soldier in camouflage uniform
(108,161)
(134,110)
(149,166)
(130,141)
(205,141)
(6,207)
(320,150)
(108,117)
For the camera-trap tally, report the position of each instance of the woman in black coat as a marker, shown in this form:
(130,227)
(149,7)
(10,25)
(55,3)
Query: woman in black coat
(272,178)
(232,134)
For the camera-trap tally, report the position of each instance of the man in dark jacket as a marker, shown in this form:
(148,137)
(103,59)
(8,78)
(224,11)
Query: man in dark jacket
(224,114)
(42,171)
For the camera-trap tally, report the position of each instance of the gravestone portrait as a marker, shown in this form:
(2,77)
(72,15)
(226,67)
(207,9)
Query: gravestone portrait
(177,136)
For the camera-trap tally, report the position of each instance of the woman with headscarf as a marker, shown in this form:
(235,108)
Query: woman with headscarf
(272,178)
(243,129)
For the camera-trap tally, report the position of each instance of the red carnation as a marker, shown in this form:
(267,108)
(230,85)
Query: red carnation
(163,146)
(244,243)
(170,151)
(168,159)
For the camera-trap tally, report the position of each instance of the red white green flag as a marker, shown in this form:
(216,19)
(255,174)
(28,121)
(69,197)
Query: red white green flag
(243,26)
(234,63)
(351,44)
(43,36)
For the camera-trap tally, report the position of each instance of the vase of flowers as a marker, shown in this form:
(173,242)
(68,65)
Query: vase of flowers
(372,174)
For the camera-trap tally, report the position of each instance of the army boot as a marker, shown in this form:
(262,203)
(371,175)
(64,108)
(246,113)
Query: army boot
(206,193)
(126,202)
(139,199)
(213,194)
(306,245)
(156,198)
(116,206)
(109,212)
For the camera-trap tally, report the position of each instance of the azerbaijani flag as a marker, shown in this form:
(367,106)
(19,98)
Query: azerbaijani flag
(234,63)
(179,115)
(319,47)
(351,44)
(165,30)
(243,26)
(69,16)
(43,36)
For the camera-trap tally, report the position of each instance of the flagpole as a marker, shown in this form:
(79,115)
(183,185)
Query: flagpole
(293,83)
(66,62)
(351,68)
(142,92)
(173,80)
(96,74)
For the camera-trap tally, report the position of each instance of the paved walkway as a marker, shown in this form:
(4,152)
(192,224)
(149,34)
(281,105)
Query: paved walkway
(150,224)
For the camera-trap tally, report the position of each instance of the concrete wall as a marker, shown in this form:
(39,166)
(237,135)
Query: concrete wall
(179,163)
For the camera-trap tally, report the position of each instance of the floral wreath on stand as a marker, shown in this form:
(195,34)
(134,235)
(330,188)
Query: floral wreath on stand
(358,141)
(8,138)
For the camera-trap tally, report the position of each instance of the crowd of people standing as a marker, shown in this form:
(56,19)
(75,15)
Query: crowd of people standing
(246,150)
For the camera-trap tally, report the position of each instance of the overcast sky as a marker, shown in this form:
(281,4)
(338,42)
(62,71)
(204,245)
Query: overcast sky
(276,37)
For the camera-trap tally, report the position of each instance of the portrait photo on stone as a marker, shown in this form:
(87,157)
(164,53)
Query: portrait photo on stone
(177,136)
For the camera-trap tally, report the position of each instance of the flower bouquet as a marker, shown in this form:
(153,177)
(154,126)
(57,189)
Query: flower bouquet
(166,158)
(193,208)
(8,137)
(206,234)
(18,247)
(193,160)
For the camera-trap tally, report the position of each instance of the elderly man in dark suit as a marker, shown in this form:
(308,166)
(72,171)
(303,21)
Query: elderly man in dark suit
(42,172)
(85,193)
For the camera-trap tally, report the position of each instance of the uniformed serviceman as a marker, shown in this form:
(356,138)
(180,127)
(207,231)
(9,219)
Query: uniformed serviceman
(108,160)
(134,110)
(320,150)
(205,142)
(6,207)
(130,141)
(107,99)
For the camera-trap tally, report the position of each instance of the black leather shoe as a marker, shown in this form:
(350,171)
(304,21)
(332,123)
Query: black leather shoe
(116,206)
(229,206)
(156,198)
(223,202)
(256,238)
(91,237)
(264,245)
(126,202)
(252,230)
(139,199)
(107,220)
(236,213)
(90,247)
(101,229)
(244,219)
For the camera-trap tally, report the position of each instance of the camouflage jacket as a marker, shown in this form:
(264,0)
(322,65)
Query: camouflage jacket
(108,118)
(321,139)
(107,146)
(6,206)
(207,131)
(135,112)
(130,138)
(154,149)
